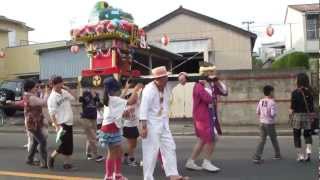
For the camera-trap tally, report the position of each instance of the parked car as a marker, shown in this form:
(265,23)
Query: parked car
(11,91)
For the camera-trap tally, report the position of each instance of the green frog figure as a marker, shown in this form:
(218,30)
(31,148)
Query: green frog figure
(102,11)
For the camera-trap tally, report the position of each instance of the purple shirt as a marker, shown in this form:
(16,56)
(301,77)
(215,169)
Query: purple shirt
(267,110)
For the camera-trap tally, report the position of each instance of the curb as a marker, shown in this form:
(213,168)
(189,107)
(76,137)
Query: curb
(225,133)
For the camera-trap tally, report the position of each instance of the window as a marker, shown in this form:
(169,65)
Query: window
(10,85)
(312,26)
(12,38)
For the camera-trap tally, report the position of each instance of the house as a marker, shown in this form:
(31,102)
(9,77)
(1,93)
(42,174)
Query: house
(20,60)
(271,50)
(303,21)
(204,39)
(12,33)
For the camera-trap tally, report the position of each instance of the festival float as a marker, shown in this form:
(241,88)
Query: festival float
(109,40)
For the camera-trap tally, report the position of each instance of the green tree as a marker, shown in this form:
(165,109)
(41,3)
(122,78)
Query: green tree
(292,60)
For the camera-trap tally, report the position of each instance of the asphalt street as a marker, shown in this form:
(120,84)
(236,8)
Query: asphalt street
(233,156)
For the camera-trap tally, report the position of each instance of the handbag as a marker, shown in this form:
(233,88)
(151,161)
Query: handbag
(313,117)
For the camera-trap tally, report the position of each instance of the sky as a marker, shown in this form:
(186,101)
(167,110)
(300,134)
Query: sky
(53,19)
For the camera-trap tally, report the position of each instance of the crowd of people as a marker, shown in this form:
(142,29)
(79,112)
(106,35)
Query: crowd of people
(143,111)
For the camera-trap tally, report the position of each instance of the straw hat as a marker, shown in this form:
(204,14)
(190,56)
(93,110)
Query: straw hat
(203,70)
(159,72)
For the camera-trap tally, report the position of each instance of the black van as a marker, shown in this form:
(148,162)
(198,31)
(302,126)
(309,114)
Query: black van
(11,90)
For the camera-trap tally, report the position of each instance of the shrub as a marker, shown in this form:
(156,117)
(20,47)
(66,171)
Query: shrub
(292,60)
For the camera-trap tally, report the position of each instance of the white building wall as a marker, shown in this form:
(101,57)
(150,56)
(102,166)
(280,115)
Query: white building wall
(297,21)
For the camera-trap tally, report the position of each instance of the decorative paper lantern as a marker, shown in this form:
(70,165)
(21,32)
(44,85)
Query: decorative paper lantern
(74,49)
(270,31)
(2,54)
(165,40)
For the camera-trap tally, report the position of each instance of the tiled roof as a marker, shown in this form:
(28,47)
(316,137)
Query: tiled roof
(182,10)
(3,18)
(306,7)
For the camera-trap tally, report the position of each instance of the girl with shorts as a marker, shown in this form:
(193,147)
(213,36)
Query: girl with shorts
(130,130)
(110,136)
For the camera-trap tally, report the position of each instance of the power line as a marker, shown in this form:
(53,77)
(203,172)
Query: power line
(273,24)
(248,23)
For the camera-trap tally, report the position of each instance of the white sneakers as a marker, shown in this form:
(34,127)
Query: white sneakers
(300,157)
(206,165)
(304,157)
(309,149)
(192,165)
(308,153)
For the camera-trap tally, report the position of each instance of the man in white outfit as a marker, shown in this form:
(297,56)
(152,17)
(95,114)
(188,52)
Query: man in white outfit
(154,116)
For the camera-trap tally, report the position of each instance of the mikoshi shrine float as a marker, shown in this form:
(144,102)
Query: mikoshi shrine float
(109,39)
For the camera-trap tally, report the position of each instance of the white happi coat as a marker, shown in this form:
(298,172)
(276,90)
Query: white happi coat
(159,136)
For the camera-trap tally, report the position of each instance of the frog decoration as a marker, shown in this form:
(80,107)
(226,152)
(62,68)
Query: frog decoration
(102,11)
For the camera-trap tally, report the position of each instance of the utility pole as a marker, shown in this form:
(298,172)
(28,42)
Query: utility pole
(317,81)
(248,28)
(290,36)
(248,24)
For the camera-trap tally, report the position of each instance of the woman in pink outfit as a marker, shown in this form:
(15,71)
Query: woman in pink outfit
(207,126)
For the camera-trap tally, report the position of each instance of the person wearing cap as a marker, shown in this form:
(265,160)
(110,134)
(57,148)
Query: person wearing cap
(110,135)
(205,116)
(60,111)
(89,100)
(154,120)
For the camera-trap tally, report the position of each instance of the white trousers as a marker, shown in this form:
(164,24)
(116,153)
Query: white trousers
(154,142)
